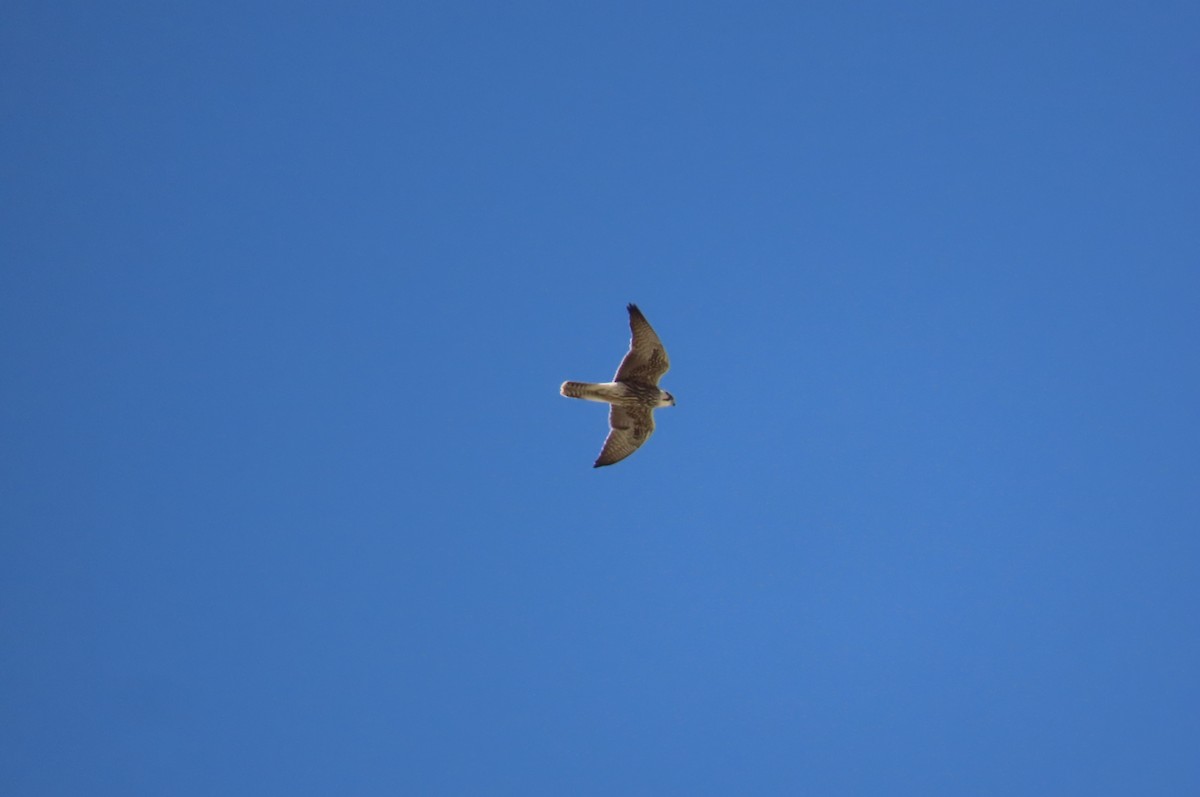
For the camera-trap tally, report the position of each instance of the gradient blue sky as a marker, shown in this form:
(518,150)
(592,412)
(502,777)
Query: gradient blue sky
(291,504)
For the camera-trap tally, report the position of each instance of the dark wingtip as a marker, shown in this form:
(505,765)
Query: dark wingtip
(633,308)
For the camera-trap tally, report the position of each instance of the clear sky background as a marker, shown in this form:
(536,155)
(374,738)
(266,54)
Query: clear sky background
(290,501)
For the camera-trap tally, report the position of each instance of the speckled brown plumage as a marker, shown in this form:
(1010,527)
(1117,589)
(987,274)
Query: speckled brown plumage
(634,393)
(647,360)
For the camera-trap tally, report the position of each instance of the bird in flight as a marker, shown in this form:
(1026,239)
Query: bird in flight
(634,393)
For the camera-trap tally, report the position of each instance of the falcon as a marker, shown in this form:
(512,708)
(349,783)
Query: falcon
(634,393)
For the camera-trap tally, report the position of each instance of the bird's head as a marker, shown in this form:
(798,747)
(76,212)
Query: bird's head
(665,399)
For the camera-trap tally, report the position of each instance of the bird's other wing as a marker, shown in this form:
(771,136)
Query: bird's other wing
(646,360)
(630,427)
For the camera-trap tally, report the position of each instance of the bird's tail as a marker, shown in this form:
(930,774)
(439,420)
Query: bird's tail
(579,390)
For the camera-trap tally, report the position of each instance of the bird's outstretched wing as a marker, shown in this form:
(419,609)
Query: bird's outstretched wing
(646,360)
(630,427)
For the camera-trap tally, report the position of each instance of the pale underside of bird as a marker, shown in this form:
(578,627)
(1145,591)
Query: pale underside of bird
(633,394)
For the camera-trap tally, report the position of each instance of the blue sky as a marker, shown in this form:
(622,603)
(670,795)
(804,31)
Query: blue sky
(291,504)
